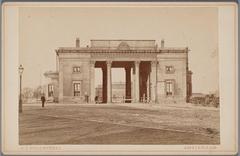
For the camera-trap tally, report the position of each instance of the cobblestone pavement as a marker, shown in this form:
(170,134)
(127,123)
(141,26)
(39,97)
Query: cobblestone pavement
(118,124)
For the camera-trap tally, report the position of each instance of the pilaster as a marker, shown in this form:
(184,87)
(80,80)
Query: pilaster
(92,81)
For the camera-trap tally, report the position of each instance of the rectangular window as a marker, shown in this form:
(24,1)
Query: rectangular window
(76,89)
(169,69)
(50,90)
(169,87)
(76,69)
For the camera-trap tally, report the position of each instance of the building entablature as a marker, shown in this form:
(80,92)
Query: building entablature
(163,56)
(121,46)
(93,50)
(109,56)
(122,56)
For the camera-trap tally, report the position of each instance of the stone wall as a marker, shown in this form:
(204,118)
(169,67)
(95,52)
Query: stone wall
(67,77)
(131,51)
(178,75)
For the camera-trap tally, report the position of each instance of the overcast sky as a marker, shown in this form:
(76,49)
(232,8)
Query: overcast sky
(42,30)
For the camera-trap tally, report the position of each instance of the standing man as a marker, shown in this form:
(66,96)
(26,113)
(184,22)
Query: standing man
(43,100)
(86,97)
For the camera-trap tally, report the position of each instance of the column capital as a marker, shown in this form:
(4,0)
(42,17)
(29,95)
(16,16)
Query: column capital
(109,63)
(137,63)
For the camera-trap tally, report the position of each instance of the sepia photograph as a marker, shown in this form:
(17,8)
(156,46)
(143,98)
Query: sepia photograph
(119,74)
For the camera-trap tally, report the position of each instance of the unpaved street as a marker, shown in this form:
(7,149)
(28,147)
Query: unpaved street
(118,124)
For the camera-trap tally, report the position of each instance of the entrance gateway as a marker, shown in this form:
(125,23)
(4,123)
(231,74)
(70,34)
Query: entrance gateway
(158,74)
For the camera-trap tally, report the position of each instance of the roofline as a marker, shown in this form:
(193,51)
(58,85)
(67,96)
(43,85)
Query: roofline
(119,40)
(106,49)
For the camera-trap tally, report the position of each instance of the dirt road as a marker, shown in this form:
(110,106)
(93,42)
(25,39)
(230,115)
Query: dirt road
(118,124)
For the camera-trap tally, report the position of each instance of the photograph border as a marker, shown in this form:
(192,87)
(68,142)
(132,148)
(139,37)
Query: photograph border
(228,60)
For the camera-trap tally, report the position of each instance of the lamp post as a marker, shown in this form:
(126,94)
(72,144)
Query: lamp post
(20,69)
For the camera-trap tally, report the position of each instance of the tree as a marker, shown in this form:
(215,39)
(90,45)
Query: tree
(37,92)
(27,93)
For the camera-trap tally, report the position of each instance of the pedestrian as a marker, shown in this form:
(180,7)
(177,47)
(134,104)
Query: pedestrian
(96,99)
(86,97)
(43,100)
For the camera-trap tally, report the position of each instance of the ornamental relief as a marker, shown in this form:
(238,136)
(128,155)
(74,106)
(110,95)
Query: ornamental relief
(123,46)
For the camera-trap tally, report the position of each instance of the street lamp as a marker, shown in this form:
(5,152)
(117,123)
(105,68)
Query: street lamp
(20,69)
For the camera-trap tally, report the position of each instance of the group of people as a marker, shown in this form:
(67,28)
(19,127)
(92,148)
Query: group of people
(43,99)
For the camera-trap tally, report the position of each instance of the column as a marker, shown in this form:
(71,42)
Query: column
(156,88)
(104,84)
(109,82)
(92,81)
(153,80)
(133,86)
(57,69)
(136,91)
(128,84)
(148,95)
(60,98)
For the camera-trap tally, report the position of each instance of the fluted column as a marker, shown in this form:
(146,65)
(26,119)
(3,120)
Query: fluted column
(153,80)
(92,81)
(109,82)
(136,91)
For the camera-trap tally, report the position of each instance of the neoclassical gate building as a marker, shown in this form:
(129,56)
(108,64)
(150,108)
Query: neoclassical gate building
(153,74)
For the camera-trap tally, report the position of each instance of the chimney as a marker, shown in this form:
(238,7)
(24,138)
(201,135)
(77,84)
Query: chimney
(162,43)
(77,43)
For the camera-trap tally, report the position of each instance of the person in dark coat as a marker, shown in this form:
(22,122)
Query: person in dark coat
(43,100)
(96,99)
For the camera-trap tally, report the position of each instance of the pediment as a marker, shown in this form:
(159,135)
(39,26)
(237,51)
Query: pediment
(123,46)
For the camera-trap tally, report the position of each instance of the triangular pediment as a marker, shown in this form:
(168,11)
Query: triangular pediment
(123,46)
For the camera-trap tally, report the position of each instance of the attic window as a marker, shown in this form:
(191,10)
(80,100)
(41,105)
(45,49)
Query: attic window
(77,69)
(169,69)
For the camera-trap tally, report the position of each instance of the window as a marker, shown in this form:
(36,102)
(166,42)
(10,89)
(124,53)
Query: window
(169,69)
(76,89)
(77,69)
(50,90)
(169,87)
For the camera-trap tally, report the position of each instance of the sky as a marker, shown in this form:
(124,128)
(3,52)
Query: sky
(44,29)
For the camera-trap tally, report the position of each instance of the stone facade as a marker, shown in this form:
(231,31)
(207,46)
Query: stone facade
(158,74)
